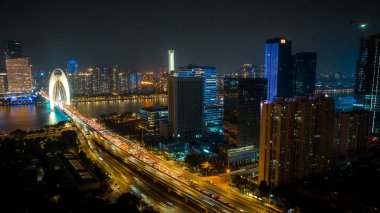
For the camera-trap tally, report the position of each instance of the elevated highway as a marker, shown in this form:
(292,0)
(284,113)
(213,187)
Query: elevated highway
(185,184)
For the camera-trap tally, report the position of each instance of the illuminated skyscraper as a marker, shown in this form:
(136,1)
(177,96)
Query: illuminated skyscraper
(19,74)
(122,81)
(367,83)
(132,83)
(138,82)
(104,80)
(114,71)
(41,79)
(278,68)
(171,66)
(305,67)
(18,68)
(3,88)
(296,136)
(248,71)
(186,107)
(242,98)
(81,83)
(95,76)
(351,134)
(209,75)
(72,66)
(13,49)
(213,112)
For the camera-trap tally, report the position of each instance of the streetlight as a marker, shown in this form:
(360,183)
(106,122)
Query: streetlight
(228,176)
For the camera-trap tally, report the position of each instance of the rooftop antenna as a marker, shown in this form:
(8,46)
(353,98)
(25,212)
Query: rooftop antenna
(362,25)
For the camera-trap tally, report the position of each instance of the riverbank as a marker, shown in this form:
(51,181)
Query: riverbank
(37,115)
(106,98)
(28,117)
(118,97)
(4,103)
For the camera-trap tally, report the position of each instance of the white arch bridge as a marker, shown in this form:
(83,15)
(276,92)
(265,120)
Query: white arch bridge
(59,91)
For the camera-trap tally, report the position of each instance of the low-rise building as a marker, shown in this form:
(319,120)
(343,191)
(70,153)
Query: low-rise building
(151,117)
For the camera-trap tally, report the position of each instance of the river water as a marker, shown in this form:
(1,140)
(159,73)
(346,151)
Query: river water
(31,117)
(28,117)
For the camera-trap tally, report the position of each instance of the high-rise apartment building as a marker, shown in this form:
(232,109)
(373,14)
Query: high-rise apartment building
(278,68)
(3,86)
(296,136)
(242,98)
(81,83)
(122,81)
(19,74)
(18,68)
(351,134)
(367,83)
(132,83)
(305,67)
(106,80)
(114,74)
(186,107)
(138,82)
(247,71)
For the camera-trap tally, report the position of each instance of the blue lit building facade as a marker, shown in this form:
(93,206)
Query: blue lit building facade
(104,80)
(138,82)
(213,112)
(72,66)
(151,117)
(209,74)
(367,82)
(132,82)
(278,68)
(184,72)
(213,117)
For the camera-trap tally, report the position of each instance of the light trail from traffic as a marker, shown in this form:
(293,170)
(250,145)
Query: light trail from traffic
(180,181)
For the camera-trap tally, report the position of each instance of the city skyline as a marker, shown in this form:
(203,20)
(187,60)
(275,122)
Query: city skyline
(192,106)
(146,30)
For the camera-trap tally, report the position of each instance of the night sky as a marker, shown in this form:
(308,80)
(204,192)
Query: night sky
(224,34)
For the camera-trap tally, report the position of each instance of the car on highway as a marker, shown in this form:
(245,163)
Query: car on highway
(240,209)
(193,183)
(215,196)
